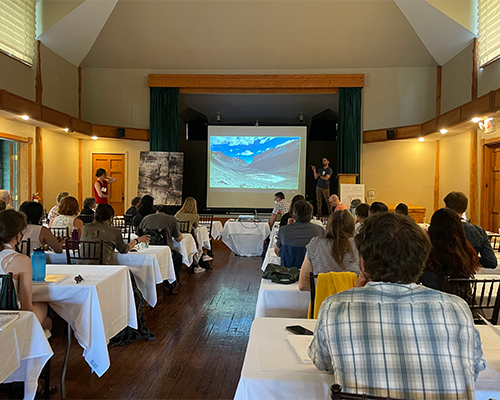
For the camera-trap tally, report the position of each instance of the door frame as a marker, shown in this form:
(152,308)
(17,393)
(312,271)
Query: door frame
(125,173)
(486,146)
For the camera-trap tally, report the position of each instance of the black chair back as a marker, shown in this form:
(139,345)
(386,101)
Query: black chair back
(24,247)
(207,220)
(183,226)
(86,218)
(8,295)
(495,241)
(312,286)
(480,295)
(125,229)
(60,233)
(81,250)
(337,394)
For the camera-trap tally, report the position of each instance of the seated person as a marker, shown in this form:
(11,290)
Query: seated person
(101,229)
(477,237)
(39,235)
(333,252)
(451,255)
(53,211)
(361,214)
(3,206)
(302,230)
(67,218)
(280,206)
(189,212)
(6,198)
(402,209)
(88,206)
(146,207)
(132,211)
(162,221)
(288,217)
(336,204)
(378,207)
(12,225)
(398,339)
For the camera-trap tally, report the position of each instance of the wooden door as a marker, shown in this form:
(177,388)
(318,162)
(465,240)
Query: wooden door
(114,164)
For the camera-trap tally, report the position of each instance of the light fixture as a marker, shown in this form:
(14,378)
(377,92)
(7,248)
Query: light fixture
(94,137)
(66,130)
(25,117)
(443,131)
(218,117)
(257,123)
(476,120)
(488,125)
(301,117)
(421,139)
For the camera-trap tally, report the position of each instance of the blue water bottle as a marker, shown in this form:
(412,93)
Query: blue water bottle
(38,262)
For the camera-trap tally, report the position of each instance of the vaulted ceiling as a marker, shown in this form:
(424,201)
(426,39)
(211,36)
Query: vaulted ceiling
(249,35)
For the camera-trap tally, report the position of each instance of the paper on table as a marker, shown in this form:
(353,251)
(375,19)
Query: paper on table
(493,327)
(52,278)
(300,344)
(7,318)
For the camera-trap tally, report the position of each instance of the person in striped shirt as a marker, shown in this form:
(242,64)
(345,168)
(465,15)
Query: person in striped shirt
(392,337)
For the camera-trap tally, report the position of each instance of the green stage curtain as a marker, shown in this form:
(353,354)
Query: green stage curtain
(349,133)
(164,119)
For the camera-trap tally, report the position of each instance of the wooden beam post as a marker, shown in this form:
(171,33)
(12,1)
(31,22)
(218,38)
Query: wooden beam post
(39,162)
(80,94)
(436,180)
(38,77)
(473,201)
(475,67)
(80,180)
(438,90)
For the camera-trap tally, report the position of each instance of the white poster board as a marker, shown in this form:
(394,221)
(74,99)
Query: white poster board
(349,192)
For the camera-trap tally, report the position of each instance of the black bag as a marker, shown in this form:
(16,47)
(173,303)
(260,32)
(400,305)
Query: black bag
(280,274)
(155,237)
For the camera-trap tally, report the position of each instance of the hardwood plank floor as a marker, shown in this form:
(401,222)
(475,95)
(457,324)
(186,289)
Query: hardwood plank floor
(201,338)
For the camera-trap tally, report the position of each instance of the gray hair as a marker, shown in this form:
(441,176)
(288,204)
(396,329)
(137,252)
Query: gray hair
(61,195)
(89,202)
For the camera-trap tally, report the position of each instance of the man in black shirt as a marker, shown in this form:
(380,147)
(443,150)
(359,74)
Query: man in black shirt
(323,175)
(457,201)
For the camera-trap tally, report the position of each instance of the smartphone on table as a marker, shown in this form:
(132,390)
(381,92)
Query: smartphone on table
(299,330)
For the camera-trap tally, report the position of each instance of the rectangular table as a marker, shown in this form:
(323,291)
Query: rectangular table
(150,266)
(24,351)
(272,370)
(187,248)
(216,229)
(245,238)
(278,300)
(271,256)
(97,308)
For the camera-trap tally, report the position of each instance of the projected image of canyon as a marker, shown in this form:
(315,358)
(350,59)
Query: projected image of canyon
(256,162)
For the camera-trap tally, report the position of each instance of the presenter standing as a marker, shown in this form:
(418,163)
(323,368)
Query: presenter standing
(101,191)
(322,175)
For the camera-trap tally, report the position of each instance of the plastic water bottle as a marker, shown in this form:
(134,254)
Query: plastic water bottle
(38,263)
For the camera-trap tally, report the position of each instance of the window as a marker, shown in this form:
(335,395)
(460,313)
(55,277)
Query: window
(17,29)
(488,31)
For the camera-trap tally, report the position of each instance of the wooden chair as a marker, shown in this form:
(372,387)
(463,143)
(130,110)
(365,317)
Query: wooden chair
(184,226)
(81,250)
(480,295)
(337,394)
(86,218)
(128,218)
(24,247)
(125,229)
(495,241)
(60,233)
(312,286)
(207,220)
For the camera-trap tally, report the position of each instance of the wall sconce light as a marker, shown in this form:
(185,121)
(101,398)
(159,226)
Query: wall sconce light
(218,117)
(301,117)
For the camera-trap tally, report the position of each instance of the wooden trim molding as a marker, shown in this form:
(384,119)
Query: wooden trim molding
(80,93)
(109,131)
(475,67)
(473,197)
(38,77)
(15,137)
(39,163)
(438,89)
(436,180)
(195,83)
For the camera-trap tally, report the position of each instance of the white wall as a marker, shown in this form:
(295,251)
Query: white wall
(17,77)
(457,80)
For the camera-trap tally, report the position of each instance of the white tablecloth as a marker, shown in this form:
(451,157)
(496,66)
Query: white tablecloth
(97,308)
(187,248)
(285,301)
(245,238)
(24,351)
(272,370)
(216,229)
(202,237)
(271,256)
(150,267)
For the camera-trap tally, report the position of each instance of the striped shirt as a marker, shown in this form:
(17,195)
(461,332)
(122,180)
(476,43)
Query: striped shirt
(404,341)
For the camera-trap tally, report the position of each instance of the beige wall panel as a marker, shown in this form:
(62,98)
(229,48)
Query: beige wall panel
(400,171)
(17,77)
(391,97)
(60,166)
(60,83)
(488,78)
(454,165)
(130,148)
(457,80)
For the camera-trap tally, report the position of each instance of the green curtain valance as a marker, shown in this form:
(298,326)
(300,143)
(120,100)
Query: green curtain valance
(164,119)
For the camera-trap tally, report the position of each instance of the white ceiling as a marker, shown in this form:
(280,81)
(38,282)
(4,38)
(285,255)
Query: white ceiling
(252,34)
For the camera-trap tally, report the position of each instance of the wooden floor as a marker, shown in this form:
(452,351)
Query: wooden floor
(201,338)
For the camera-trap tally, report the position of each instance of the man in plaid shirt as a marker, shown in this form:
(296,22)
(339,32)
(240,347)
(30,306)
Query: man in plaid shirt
(393,337)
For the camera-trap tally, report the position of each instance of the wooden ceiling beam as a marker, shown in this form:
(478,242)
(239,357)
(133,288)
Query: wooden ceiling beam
(260,90)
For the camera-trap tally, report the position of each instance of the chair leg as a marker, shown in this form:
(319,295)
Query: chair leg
(46,394)
(65,365)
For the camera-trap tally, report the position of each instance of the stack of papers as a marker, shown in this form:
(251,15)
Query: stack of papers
(300,344)
(7,318)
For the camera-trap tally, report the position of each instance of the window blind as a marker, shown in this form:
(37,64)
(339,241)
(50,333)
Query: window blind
(488,31)
(17,29)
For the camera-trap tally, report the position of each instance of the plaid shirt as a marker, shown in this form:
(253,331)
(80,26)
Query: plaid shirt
(403,341)
(281,206)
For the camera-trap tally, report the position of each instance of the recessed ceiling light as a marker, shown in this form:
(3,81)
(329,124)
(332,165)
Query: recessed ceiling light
(476,119)
(421,139)
(25,117)
(66,130)
(94,137)
(443,131)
